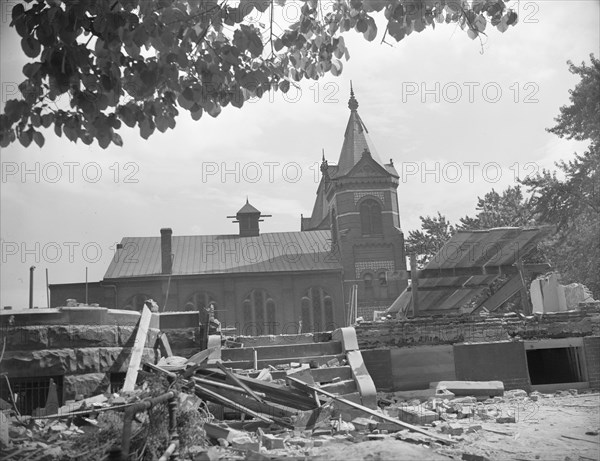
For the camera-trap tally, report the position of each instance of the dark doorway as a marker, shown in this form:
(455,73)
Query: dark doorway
(553,366)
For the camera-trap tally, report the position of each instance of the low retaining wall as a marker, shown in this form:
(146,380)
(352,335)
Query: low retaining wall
(402,355)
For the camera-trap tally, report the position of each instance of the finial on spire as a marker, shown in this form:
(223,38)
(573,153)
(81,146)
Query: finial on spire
(352,103)
(323,154)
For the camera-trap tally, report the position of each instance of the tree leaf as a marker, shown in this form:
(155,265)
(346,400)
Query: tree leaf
(25,138)
(30,46)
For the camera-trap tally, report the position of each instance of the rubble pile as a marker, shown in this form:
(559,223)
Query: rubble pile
(226,414)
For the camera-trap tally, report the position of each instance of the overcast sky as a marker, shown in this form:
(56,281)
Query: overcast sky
(458,119)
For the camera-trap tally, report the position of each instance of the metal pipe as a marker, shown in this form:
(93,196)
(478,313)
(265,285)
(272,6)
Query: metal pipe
(31,269)
(146,404)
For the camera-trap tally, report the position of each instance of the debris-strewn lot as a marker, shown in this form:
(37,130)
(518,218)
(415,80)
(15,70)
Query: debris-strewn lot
(208,412)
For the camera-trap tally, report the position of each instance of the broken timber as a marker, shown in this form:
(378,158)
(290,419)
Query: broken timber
(138,350)
(308,388)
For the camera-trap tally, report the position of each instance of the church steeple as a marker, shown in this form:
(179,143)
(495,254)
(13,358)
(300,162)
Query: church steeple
(356,140)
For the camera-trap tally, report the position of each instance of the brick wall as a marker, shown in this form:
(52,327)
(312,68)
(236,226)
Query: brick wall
(592,358)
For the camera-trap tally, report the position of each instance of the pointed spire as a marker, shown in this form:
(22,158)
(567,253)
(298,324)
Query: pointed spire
(352,103)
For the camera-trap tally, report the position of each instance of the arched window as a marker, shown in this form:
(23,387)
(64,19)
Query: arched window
(317,310)
(200,300)
(259,313)
(136,302)
(368,279)
(382,279)
(370,217)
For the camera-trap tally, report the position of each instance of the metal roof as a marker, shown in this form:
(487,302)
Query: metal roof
(216,254)
(442,286)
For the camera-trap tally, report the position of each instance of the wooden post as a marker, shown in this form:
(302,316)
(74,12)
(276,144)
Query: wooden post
(138,349)
(414,286)
(524,293)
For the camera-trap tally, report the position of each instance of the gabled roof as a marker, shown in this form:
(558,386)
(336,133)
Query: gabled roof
(356,140)
(220,254)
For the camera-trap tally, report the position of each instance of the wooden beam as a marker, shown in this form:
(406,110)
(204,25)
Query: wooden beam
(502,295)
(364,409)
(480,270)
(524,292)
(138,349)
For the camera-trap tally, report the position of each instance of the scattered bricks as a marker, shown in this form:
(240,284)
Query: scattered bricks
(416,415)
(506,419)
(535,396)
(270,442)
(463,400)
(472,429)
(465,411)
(515,393)
(452,429)
(449,416)
(301,442)
(244,442)
(376,436)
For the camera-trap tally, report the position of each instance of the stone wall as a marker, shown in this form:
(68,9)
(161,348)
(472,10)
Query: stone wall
(451,330)
(85,345)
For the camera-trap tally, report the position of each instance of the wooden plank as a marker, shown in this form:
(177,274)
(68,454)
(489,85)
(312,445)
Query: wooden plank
(163,342)
(235,379)
(135,359)
(370,412)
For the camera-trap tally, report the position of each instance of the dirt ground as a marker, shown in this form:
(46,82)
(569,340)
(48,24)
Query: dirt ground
(551,428)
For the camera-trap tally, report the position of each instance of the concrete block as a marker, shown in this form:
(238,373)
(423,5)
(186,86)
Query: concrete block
(347,336)
(364,424)
(88,385)
(120,317)
(506,420)
(116,359)
(244,442)
(473,388)
(451,428)
(270,442)
(84,315)
(416,415)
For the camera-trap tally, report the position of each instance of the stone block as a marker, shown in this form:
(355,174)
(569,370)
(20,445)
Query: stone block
(116,359)
(87,360)
(46,362)
(73,336)
(452,429)
(506,419)
(23,338)
(88,385)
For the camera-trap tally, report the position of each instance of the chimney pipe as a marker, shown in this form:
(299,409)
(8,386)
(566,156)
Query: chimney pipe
(31,269)
(165,250)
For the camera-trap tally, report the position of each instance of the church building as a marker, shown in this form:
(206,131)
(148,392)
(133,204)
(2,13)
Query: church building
(283,282)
